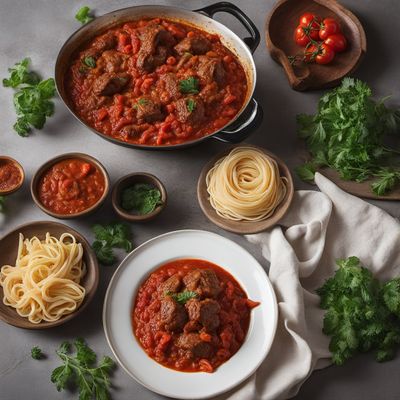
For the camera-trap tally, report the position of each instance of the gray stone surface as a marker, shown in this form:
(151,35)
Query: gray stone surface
(38,29)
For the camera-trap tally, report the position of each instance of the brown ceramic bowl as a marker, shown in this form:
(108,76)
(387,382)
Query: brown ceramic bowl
(129,180)
(8,254)
(5,159)
(244,227)
(47,165)
(280,26)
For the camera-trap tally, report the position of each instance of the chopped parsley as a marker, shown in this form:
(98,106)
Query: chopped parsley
(141,102)
(36,353)
(182,297)
(83,15)
(32,99)
(108,237)
(89,62)
(191,105)
(189,85)
(141,198)
(80,370)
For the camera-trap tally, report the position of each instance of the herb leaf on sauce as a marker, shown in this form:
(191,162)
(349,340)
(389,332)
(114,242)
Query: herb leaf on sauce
(89,62)
(114,235)
(32,99)
(83,15)
(141,197)
(191,105)
(182,297)
(189,85)
(36,353)
(79,370)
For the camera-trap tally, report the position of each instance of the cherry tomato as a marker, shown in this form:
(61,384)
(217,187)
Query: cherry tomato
(300,36)
(337,42)
(329,26)
(312,24)
(325,54)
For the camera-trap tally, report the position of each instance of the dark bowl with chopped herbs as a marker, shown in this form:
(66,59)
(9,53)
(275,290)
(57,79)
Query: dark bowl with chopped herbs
(139,197)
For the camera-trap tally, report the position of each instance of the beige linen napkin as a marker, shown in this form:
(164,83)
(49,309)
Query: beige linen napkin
(319,228)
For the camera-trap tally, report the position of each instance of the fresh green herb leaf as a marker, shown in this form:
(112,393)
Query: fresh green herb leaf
(80,370)
(359,312)
(189,85)
(141,198)
(36,353)
(182,297)
(191,105)
(115,235)
(32,100)
(141,102)
(83,15)
(2,204)
(306,172)
(89,62)
(19,74)
(348,133)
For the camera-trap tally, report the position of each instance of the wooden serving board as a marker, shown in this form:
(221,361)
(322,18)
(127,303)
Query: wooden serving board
(362,189)
(280,26)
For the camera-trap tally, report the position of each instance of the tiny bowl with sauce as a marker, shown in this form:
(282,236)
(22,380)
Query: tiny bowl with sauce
(12,175)
(130,180)
(70,185)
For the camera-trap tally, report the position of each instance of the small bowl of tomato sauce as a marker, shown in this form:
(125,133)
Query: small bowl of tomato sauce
(11,175)
(71,185)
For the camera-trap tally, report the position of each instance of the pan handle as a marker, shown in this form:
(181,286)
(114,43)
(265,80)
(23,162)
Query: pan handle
(243,126)
(254,39)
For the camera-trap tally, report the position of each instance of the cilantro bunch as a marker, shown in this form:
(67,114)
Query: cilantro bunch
(362,314)
(114,235)
(348,134)
(32,99)
(80,370)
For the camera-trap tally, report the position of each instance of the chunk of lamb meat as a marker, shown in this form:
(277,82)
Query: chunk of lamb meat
(112,61)
(173,315)
(185,115)
(171,85)
(133,130)
(203,281)
(195,45)
(210,93)
(172,284)
(109,84)
(148,110)
(211,70)
(104,42)
(194,345)
(204,312)
(155,44)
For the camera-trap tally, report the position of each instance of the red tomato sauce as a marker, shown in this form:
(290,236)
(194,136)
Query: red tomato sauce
(200,334)
(10,175)
(126,83)
(71,186)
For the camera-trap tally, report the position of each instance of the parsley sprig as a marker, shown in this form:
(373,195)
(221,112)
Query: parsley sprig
(362,314)
(83,15)
(32,99)
(36,353)
(182,297)
(189,85)
(348,133)
(80,370)
(108,237)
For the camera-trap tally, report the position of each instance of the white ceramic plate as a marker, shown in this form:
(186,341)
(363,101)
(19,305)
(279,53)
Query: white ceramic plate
(139,264)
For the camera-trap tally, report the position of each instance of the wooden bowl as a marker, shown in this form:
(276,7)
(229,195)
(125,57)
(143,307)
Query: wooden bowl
(129,180)
(280,26)
(8,255)
(21,170)
(244,227)
(48,164)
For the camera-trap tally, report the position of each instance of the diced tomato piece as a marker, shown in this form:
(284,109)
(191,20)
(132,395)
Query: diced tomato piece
(102,114)
(191,34)
(85,169)
(171,60)
(205,337)
(230,98)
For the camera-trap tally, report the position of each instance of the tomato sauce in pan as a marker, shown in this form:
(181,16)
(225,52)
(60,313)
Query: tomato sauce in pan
(156,82)
(10,175)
